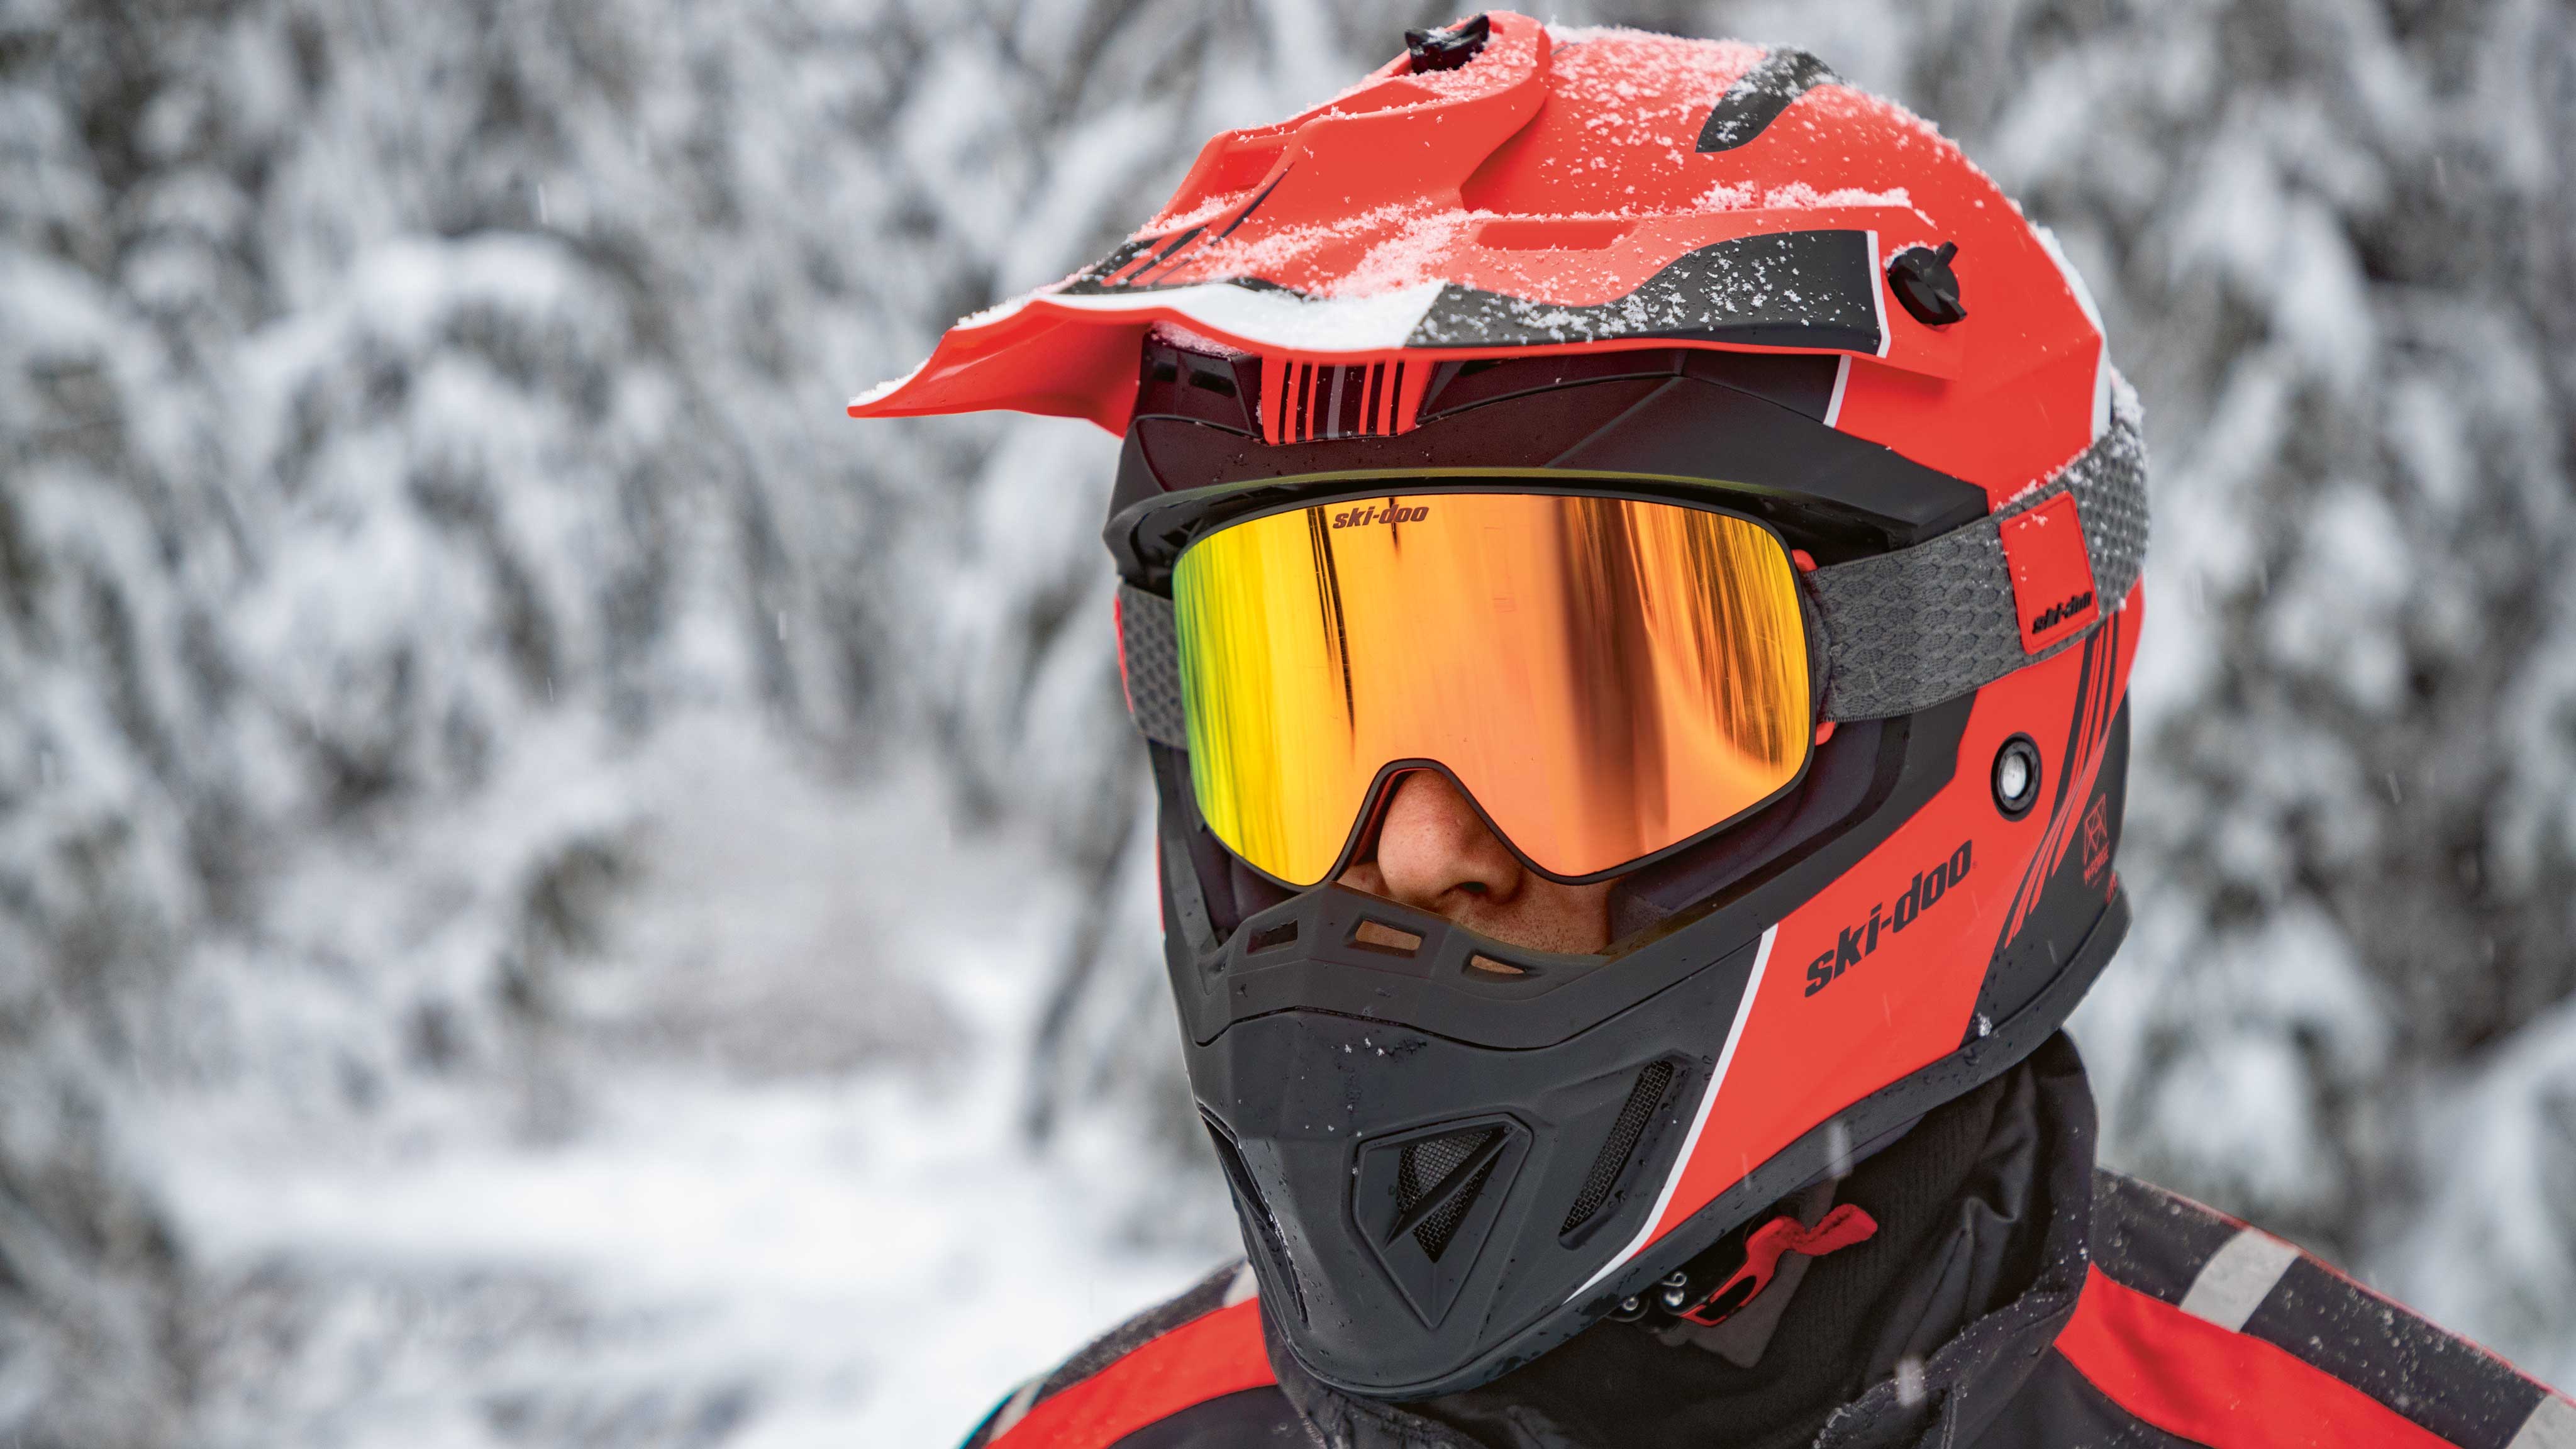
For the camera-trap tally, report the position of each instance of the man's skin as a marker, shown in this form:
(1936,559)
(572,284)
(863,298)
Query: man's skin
(1434,853)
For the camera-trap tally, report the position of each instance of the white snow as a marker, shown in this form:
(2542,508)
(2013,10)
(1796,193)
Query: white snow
(784,1163)
(544,863)
(1279,320)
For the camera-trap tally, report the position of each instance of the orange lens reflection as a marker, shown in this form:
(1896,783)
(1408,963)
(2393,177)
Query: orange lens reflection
(1605,676)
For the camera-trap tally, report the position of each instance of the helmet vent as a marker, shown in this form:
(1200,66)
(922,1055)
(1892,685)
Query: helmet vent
(1634,1114)
(1379,936)
(1272,938)
(1439,1178)
(1448,47)
(1254,1208)
(1311,402)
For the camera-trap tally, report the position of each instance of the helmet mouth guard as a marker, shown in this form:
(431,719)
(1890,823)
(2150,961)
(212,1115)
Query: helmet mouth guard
(1451,1153)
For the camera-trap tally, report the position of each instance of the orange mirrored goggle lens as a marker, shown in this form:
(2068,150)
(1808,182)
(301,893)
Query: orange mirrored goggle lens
(1606,677)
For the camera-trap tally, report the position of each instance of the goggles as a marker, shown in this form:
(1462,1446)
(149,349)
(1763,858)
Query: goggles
(1607,678)
(1604,677)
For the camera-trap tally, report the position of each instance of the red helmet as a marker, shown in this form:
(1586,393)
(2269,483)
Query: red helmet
(1606,265)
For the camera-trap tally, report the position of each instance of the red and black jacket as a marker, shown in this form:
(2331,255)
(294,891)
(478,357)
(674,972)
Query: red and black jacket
(2152,1321)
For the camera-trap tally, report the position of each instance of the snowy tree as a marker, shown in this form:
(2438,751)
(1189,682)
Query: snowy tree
(470,705)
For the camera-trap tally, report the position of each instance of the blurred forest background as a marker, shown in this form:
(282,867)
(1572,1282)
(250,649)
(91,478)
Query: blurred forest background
(556,891)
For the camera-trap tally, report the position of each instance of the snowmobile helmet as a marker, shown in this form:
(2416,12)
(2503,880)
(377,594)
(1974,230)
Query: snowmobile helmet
(1715,475)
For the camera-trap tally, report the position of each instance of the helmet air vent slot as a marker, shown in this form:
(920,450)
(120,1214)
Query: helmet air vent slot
(1306,401)
(1447,47)
(1427,1202)
(1378,936)
(1438,1180)
(1271,938)
(1485,965)
(1262,1225)
(1634,1116)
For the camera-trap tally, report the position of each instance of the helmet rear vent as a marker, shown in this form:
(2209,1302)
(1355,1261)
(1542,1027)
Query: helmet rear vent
(1634,1114)
(1443,1175)
(1310,402)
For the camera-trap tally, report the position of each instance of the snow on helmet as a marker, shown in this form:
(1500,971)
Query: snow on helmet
(1691,306)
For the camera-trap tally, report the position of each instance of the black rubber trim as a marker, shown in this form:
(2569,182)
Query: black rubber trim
(1671,433)
(1802,382)
(1759,96)
(1814,289)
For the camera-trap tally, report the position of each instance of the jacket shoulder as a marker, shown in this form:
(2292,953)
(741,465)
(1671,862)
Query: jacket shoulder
(1191,1373)
(2221,1334)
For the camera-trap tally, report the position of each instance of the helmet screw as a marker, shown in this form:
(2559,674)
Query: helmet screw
(1675,1299)
(1923,282)
(1448,47)
(2016,777)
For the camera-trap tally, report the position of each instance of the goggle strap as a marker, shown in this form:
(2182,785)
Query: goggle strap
(1903,631)
(1907,630)
(1149,640)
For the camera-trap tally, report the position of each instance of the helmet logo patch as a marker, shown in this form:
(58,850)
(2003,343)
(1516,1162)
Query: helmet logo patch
(2052,580)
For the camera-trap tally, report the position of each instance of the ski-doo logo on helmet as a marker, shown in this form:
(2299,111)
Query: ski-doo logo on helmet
(2052,577)
(1388,512)
(2056,614)
(1860,939)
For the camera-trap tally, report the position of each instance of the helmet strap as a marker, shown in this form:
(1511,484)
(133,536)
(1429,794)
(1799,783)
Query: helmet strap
(1846,1226)
(1729,1300)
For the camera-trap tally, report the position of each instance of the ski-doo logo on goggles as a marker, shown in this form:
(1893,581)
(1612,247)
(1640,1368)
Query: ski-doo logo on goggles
(1604,677)
(1389,512)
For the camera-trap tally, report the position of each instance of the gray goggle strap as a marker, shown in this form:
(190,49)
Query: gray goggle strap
(1149,665)
(1901,631)
(1907,630)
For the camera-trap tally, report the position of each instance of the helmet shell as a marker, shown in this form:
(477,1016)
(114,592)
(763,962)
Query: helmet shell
(1608,255)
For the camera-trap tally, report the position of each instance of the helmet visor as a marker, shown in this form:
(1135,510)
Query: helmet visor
(1605,677)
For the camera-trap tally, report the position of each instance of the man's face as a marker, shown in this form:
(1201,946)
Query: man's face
(1435,854)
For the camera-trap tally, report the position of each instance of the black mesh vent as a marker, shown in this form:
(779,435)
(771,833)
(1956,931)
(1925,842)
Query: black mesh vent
(1426,1167)
(1634,1114)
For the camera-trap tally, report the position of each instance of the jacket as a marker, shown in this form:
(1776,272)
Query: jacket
(2135,1319)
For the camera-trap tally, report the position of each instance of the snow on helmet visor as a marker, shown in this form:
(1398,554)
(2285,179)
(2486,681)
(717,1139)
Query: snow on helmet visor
(1604,677)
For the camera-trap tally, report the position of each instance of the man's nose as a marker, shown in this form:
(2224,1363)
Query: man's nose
(1435,853)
